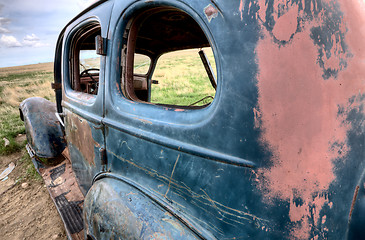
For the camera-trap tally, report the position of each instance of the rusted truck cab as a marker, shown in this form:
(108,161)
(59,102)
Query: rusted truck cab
(274,151)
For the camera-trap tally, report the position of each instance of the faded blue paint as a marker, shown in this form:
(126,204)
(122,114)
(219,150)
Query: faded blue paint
(199,167)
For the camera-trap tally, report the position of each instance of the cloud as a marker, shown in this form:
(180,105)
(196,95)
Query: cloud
(31,38)
(33,41)
(28,41)
(4,21)
(9,41)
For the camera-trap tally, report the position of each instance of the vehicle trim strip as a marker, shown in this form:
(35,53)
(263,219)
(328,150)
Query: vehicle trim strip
(178,145)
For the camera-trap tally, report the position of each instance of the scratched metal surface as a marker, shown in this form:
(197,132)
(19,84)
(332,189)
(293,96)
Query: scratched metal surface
(84,140)
(278,154)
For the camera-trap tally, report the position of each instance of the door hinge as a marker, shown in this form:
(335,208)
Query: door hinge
(100,45)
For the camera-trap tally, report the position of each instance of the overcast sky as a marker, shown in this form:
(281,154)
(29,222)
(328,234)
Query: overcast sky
(29,28)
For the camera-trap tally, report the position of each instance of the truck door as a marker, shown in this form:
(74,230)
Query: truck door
(83,91)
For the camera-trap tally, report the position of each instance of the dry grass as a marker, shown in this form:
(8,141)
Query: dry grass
(41,67)
(17,84)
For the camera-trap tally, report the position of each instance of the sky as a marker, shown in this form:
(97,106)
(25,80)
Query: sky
(29,28)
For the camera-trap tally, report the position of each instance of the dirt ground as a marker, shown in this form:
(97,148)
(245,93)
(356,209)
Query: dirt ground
(26,209)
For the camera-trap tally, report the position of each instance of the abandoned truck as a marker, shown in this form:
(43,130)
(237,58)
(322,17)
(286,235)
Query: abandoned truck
(267,144)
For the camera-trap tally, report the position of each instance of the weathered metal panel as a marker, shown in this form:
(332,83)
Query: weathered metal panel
(43,129)
(289,100)
(310,102)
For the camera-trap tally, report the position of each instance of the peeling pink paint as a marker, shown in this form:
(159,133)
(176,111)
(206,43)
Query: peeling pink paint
(298,111)
(241,9)
(286,25)
(262,10)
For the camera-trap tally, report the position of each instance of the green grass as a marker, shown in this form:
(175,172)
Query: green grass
(12,77)
(182,79)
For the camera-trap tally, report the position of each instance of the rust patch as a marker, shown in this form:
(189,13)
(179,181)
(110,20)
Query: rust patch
(65,184)
(299,106)
(78,132)
(210,12)
(353,201)
(66,153)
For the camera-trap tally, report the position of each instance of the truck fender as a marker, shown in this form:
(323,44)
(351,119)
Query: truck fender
(114,209)
(43,129)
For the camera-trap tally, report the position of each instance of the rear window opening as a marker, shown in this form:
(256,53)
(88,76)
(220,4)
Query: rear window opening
(167,60)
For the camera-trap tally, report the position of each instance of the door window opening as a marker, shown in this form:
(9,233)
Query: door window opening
(167,60)
(84,62)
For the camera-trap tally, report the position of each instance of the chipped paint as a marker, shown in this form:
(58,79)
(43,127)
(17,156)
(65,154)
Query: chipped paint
(174,223)
(241,9)
(300,104)
(256,117)
(210,12)
(124,143)
(81,96)
(143,120)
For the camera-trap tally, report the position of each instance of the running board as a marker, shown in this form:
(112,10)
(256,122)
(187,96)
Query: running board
(65,193)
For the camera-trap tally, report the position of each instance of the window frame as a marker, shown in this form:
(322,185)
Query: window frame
(129,50)
(71,61)
(122,109)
